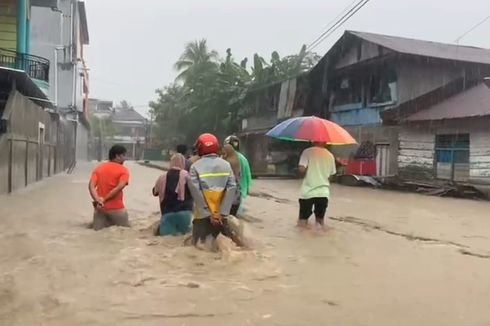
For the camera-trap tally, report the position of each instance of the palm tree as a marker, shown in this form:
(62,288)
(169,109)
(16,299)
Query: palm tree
(197,58)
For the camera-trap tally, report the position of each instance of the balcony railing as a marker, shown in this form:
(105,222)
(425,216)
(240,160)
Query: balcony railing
(36,67)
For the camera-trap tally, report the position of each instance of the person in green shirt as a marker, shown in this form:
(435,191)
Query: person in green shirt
(245,174)
(316,165)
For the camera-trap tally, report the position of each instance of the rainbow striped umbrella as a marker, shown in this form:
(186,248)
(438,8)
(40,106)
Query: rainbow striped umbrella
(311,129)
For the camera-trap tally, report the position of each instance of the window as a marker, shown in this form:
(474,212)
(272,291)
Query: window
(383,87)
(348,91)
(453,157)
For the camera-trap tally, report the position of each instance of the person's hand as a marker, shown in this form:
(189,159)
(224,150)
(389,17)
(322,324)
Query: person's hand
(216,219)
(99,202)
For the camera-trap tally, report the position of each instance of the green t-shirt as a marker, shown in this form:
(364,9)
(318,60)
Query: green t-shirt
(320,166)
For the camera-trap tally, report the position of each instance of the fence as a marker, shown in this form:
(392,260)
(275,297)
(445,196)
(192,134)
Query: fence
(38,144)
(36,67)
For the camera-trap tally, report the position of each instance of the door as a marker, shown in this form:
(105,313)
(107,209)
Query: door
(382,160)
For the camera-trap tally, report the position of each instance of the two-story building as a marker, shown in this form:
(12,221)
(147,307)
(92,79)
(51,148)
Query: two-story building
(365,75)
(117,125)
(59,32)
(370,84)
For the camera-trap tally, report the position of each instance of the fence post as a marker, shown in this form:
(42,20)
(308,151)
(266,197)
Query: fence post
(11,149)
(26,170)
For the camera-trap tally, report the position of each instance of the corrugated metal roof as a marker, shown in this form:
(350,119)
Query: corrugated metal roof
(474,102)
(427,48)
(128,115)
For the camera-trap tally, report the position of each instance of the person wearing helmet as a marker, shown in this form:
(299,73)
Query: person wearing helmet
(213,188)
(244,179)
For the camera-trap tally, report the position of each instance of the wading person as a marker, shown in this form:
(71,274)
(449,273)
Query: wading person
(175,198)
(213,189)
(316,165)
(106,189)
(182,149)
(231,156)
(245,178)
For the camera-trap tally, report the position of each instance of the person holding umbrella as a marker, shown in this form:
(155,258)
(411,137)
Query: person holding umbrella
(316,164)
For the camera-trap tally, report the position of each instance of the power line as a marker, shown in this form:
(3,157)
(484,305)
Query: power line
(339,23)
(335,20)
(472,29)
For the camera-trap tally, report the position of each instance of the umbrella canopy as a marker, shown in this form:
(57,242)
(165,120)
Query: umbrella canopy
(312,129)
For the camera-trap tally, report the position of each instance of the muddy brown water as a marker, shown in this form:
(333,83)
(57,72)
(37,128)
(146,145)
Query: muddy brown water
(389,258)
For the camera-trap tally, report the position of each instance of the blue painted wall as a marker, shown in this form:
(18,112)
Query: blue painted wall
(356,117)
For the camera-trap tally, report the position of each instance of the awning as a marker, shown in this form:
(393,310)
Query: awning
(26,86)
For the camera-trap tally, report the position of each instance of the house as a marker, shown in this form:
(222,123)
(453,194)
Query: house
(263,109)
(59,32)
(35,141)
(122,126)
(365,75)
(130,131)
(448,140)
(100,108)
(368,82)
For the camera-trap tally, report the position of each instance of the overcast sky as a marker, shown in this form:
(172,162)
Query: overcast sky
(133,44)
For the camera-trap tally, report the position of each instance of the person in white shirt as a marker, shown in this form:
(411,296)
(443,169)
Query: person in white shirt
(317,165)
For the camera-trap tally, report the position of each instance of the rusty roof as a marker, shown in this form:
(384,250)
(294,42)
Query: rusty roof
(474,102)
(427,48)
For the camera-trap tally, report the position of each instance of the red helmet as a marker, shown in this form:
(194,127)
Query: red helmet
(207,144)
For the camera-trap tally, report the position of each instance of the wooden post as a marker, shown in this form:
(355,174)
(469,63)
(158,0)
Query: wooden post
(26,170)
(11,158)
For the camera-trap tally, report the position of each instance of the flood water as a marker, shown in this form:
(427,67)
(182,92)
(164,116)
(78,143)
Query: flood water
(389,258)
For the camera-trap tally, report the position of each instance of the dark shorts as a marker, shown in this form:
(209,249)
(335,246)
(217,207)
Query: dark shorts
(104,219)
(203,228)
(320,205)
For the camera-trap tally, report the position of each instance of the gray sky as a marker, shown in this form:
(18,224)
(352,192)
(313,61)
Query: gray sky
(133,44)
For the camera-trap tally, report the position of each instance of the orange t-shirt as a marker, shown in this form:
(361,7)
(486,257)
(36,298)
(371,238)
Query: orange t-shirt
(106,177)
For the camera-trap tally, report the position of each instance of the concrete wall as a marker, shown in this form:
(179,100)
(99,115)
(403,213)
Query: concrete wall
(417,148)
(82,143)
(36,146)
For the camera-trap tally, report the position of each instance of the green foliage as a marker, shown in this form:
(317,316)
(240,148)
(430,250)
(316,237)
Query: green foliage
(209,91)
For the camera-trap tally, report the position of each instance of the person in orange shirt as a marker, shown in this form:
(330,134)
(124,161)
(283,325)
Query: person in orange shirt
(106,188)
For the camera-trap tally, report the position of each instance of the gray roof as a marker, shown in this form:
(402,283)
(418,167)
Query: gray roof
(427,48)
(128,115)
(474,102)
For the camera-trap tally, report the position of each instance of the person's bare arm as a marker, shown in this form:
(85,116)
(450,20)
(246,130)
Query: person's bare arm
(120,186)
(301,170)
(158,185)
(93,191)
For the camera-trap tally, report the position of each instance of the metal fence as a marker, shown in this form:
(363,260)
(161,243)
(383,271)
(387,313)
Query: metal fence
(36,67)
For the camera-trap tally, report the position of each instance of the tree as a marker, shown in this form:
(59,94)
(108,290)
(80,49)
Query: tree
(196,59)
(124,106)
(209,92)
